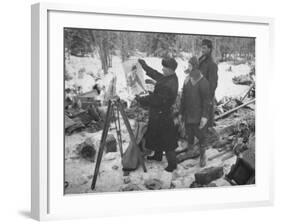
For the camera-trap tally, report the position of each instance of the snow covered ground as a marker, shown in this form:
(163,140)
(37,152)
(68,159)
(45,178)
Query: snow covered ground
(225,85)
(79,172)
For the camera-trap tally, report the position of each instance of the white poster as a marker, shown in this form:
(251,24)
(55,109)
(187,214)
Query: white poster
(134,77)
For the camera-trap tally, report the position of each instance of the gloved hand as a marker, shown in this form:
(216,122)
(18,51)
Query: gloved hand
(203,122)
(142,62)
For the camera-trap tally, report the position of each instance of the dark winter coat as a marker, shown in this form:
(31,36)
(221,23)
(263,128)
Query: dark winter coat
(161,134)
(195,100)
(209,70)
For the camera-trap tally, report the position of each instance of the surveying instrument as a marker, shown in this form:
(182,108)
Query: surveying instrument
(114,109)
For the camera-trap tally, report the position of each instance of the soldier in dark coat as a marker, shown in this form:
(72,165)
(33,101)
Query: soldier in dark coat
(162,134)
(209,70)
(195,105)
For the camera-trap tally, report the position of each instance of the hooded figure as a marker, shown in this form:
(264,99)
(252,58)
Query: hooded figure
(195,105)
(161,134)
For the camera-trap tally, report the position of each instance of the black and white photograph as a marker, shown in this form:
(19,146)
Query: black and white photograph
(150,111)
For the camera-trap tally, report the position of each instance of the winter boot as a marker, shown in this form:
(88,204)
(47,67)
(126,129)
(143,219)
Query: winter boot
(170,168)
(172,161)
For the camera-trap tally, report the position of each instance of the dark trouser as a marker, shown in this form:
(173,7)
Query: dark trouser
(211,120)
(170,155)
(193,131)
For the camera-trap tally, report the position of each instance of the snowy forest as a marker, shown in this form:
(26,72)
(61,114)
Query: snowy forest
(81,43)
(95,59)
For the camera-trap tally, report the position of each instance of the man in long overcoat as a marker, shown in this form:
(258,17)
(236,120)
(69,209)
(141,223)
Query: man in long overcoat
(162,134)
(209,70)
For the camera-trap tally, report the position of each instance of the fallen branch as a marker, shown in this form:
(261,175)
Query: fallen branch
(181,151)
(188,155)
(246,94)
(219,154)
(234,109)
(229,156)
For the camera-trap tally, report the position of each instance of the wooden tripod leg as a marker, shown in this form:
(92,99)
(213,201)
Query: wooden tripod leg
(102,143)
(119,127)
(132,136)
(118,132)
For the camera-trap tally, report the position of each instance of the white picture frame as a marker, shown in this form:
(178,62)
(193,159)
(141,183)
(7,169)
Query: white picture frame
(47,201)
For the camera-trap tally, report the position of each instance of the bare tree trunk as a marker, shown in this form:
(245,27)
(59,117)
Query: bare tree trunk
(109,61)
(193,46)
(101,43)
(124,47)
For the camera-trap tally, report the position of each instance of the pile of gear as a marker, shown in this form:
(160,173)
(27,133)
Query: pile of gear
(90,119)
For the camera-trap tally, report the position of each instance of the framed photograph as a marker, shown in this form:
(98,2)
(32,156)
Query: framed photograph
(148,111)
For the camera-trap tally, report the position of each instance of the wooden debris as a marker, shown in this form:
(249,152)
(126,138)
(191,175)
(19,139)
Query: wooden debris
(188,155)
(229,156)
(220,154)
(207,175)
(130,187)
(234,109)
(72,126)
(246,94)
(221,143)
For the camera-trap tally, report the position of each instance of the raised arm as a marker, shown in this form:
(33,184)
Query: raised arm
(152,73)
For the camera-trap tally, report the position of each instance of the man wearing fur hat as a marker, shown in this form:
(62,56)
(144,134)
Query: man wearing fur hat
(209,70)
(195,105)
(161,134)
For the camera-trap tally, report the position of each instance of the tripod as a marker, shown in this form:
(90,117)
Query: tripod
(114,108)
